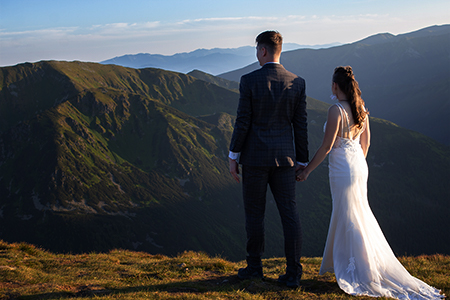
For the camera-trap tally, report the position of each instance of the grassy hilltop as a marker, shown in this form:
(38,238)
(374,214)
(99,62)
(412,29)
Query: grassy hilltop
(27,272)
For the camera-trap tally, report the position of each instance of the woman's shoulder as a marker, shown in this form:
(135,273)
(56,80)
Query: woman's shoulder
(334,109)
(334,113)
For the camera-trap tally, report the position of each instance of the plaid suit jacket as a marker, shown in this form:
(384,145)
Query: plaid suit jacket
(271,125)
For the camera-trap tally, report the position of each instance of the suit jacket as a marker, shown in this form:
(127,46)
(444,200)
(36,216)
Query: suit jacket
(271,126)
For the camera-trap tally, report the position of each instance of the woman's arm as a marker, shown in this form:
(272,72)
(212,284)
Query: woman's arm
(365,138)
(331,130)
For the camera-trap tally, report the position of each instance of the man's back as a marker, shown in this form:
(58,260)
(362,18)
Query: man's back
(272,101)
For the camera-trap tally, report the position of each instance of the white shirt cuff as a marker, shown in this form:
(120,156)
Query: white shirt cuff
(302,164)
(233,155)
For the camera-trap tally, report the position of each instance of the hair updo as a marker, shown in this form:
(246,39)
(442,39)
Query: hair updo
(344,78)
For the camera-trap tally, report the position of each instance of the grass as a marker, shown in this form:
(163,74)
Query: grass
(27,272)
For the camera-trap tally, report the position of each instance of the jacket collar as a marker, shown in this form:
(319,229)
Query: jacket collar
(272,65)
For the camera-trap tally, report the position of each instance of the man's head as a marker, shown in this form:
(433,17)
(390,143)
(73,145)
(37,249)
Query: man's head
(268,46)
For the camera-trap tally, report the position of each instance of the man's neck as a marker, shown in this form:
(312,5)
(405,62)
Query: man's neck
(271,60)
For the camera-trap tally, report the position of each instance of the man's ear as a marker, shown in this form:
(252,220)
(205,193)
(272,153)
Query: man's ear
(264,51)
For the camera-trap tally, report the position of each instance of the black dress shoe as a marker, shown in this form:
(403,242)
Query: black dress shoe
(291,280)
(249,272)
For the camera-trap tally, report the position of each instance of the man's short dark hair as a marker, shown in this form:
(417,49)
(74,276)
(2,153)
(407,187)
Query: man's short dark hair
(271,40)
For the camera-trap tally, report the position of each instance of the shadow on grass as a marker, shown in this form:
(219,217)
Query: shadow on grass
(220,284)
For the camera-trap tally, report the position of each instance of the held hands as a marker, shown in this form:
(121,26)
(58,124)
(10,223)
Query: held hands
(301,174)
(234,169)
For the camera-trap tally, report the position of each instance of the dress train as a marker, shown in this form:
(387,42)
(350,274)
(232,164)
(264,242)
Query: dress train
(356,249)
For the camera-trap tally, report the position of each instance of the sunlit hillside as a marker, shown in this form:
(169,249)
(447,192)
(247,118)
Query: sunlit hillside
(98,157)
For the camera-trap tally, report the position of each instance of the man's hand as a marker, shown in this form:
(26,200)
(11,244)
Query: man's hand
(234,169)
(302,175)
(298,170)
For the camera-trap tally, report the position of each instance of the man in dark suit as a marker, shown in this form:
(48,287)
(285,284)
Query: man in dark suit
(270,139)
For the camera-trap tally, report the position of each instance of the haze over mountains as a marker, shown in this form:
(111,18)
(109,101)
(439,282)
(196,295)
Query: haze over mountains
(212,61)
(95,157)
(404,79)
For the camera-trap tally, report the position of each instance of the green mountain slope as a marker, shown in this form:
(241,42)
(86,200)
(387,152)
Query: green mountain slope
(109,165)
(231,85)
(95,157)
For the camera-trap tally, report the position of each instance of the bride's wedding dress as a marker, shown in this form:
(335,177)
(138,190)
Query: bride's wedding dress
(356,249)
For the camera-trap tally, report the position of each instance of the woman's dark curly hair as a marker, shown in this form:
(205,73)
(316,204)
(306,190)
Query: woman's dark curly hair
(344,78)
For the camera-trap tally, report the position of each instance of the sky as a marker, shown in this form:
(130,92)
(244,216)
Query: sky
(97,30)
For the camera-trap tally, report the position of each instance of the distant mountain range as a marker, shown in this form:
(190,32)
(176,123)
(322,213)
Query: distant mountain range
(95,157)
(213,61)
(404,79)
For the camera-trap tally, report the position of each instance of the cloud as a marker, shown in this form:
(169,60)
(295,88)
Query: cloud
(104,41)
(123,28)
(51,32)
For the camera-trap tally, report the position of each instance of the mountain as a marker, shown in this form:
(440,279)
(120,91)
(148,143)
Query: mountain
(231,85)
(404,79)
(213,61)
(95,157)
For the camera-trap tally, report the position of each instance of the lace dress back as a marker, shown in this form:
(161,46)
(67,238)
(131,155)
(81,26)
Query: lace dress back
(346,139)
(356,249)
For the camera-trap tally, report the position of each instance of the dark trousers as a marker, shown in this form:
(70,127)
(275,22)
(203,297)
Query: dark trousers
(282,184)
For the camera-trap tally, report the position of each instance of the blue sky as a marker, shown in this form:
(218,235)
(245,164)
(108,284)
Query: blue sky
(96,30)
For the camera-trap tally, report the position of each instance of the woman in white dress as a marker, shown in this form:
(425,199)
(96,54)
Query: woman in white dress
(356,249)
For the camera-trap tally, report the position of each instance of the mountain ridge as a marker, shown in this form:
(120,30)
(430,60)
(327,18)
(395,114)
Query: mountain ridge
(213,61)
(403,78)
(112,157)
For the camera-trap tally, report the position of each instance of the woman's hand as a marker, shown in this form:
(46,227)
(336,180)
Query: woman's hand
(302,175)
